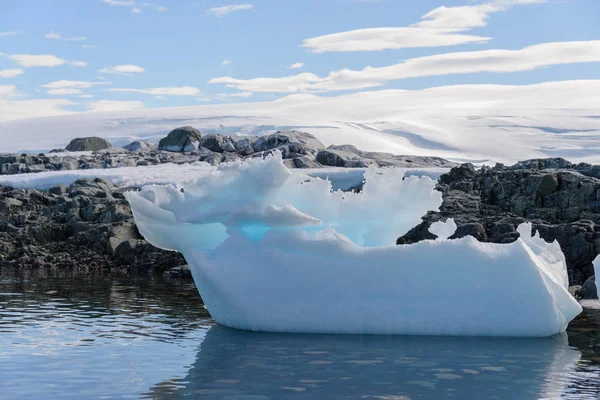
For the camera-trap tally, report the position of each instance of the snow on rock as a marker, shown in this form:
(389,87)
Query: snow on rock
(272,250)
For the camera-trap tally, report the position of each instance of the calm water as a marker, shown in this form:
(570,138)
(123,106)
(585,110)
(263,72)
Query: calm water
(106,337)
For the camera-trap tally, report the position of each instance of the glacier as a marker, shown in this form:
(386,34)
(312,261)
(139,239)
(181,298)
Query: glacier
(271,250)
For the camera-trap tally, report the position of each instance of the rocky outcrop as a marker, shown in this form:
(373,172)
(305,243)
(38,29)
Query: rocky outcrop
(187,145)
(348,156)
(181,140)
(88,144)
(560,200)
(88,224)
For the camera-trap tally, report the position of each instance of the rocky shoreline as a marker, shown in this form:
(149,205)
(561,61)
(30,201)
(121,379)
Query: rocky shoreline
(89,224)
(560,199)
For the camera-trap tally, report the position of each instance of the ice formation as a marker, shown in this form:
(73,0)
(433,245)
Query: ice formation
(271,250)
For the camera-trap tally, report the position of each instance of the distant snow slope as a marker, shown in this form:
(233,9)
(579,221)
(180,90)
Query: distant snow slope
(481,123)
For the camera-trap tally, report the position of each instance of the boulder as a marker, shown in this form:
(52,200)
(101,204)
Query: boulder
(88,144)
(181,140)
(140,145)
(589,289)
(290,142)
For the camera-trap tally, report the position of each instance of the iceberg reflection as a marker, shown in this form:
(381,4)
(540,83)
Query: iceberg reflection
(234,364)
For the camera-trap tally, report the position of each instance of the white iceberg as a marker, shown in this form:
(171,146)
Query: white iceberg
(275,251)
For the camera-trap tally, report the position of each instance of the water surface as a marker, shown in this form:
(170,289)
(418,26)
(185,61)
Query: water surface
(91,336)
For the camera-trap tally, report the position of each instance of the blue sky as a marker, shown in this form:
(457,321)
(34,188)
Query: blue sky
(120,54)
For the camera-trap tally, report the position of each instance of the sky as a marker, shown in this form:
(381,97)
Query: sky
(98,55)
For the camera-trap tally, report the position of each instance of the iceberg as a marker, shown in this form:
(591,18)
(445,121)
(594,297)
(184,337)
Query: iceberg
(271,250)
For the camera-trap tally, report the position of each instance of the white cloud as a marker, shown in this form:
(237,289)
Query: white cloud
(90,46)
(8,91)
(63,92)
(112,105)
(64,84)
(161,91)
(13,33)
(11,73)
(135,6)
(239,94)
(297,65)
(12,107)
(41,60)
(496,61)
(57,36)
(126,69)
(203,99)
(86,96)
(225,62)
(225,10)
(443,26)
(160,97)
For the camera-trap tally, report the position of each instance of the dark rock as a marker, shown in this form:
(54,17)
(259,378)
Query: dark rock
(179,272)
(588,289)
(181,140)
(88,144)
(490,203)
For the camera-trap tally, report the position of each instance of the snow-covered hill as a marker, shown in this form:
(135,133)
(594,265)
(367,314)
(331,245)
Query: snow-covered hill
(478,123)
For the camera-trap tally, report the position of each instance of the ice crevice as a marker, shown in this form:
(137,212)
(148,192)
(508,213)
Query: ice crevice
(272,250)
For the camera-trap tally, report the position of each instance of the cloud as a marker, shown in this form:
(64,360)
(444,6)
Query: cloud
(57,36)
(11,73)
(496,61)
(64,92)
(225,62)
(161,91)
(125,69)
(64,84)
(13,33)
(239,94)
(112,105)
(221,12)
(90,46)
(297,65)
(135,6)
(12,107)
(443,26)
(41,60)
(7,91)
(86,96)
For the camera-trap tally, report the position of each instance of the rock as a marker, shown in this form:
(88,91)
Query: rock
(88,187)
(179,272)
(217,143)
(290,142)
(488,204)
(474,229)
(140,145)
(181,140)
(588,289)
(59,190)
(349,156)
(88,144)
